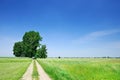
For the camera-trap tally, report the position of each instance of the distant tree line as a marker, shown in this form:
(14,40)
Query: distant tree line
(30,46)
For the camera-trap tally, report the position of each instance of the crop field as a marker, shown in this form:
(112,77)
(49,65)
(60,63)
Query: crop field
(13,68)
(82,68)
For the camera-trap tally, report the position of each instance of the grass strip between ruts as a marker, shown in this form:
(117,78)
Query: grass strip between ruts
(35,72)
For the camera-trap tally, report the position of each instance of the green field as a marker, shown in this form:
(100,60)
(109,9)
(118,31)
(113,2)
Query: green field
(13,68)
(82,68)
(63,69)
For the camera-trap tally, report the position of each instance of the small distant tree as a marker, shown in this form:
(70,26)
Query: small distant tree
(42,52)
(59,57)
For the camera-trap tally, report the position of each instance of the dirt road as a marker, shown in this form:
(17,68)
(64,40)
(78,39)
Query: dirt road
(28,73)
(42,73)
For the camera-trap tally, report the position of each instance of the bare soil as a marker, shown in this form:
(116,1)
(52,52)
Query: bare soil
(28,73)
(42,73)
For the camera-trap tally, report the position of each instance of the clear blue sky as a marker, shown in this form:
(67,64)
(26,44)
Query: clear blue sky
(70,28)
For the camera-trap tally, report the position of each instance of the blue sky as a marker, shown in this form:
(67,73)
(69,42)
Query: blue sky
(70,28)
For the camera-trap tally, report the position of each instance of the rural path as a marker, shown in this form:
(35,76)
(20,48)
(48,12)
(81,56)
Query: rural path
(42,73)
(28,73)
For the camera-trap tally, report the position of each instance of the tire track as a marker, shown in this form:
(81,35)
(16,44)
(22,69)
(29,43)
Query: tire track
(42,73)
(28,74)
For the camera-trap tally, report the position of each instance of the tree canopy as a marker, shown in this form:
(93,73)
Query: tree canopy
(42,52)
(30,46)
(18,49)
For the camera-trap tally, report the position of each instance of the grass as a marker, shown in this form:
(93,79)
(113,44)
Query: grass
(35,72)
(82,69)
(13,68)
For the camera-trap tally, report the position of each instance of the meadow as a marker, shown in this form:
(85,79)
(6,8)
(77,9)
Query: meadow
(13,68)
(82,68)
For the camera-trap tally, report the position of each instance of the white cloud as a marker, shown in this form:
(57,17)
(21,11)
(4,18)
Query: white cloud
(95,35)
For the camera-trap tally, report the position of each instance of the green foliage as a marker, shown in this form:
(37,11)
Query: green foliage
(42,52)
(18,49)
(82,69)
(31,42)
(28,47)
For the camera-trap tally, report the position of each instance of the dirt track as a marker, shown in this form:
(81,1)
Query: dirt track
(28,73)
(41,72)
(43,75)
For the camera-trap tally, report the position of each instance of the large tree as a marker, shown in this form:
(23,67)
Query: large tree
(31,42)
(27,47)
